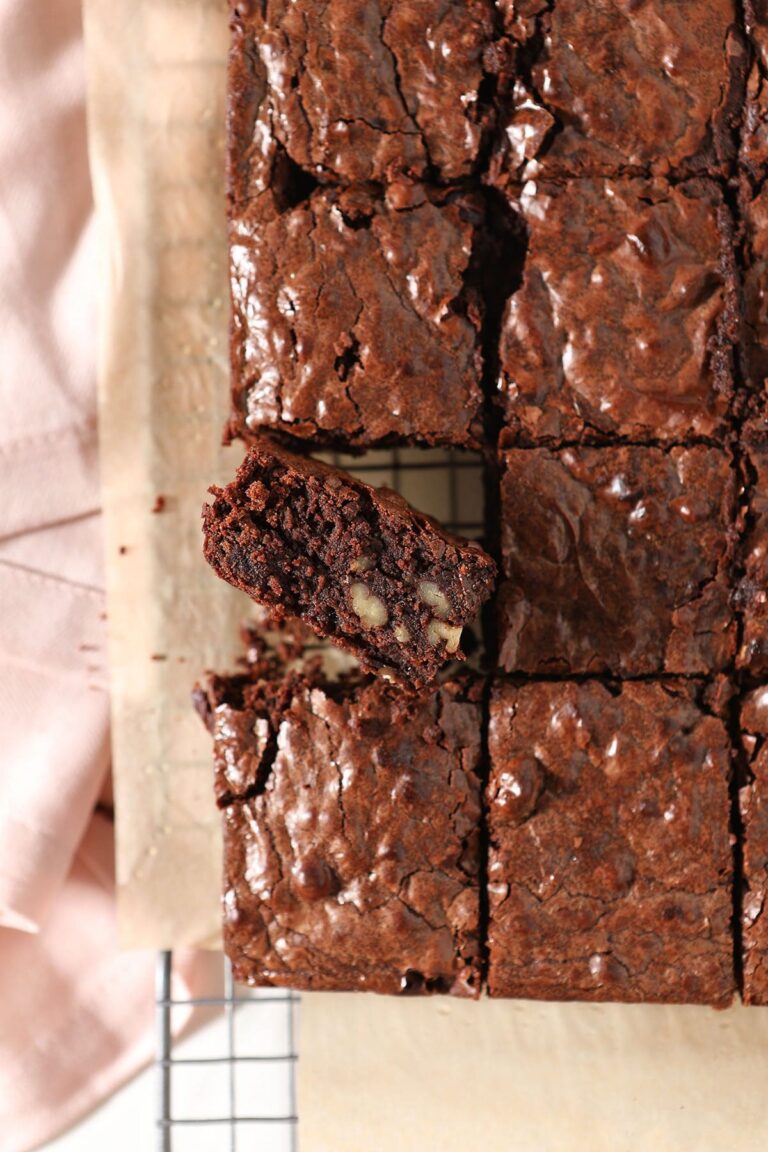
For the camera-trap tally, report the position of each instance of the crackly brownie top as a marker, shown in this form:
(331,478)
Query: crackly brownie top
(610,861)
(754,811)
(353,323)
(618,85)
(616,559)
(354,864)
(626,330)
(355,92)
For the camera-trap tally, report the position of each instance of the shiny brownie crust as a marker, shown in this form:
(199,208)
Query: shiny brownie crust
(617,560)
(352,861)
(627,331)
(610,860)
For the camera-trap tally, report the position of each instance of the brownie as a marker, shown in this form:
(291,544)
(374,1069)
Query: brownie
(387,90)
(357,564)
(616,559)
(754,815)
(243,714)
(621,86)
(353,320)
(626,330)
(752,589)
(352,860)
(609,873)
(753,151)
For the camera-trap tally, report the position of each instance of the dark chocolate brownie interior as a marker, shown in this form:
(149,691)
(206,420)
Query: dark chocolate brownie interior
(354,563)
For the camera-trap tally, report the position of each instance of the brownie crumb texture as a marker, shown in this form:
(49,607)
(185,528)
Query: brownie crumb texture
(356,564)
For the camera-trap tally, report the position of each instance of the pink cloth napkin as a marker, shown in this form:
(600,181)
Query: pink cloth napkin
(75,1015)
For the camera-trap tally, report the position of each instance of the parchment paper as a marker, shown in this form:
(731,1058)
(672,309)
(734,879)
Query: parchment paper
(375,1074)
(156,113)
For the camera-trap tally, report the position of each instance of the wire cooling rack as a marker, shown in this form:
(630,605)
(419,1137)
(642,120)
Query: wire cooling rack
(240,1093)
(240,1065)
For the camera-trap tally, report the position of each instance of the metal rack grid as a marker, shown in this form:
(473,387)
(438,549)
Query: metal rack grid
(448,485)
(241,1128)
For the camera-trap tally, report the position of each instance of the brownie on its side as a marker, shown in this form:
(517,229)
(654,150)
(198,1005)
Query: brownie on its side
(352,859)
(616,560)
(387,90)
(754,813)
(627,330)
(353,321)
(619,87)
(356,564)
(610,862)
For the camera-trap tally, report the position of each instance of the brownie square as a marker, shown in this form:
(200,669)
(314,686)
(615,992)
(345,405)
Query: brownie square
(754,814)
(616,559)
(752,591)
(352,862)
(356,564)
(352,93)
(609,874)
(627,330)
(353,322)
(618,87)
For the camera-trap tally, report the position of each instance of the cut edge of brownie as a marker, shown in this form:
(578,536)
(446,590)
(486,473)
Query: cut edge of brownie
(356,564)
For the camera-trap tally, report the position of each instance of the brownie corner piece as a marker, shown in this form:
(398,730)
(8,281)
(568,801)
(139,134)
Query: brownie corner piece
(610,872)
(355,864)
(628,331)
(754,819)
(394,91)
(355,321)
(616,560)
(356,564)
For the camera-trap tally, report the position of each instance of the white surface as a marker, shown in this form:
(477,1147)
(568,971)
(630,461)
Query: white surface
(126,1122)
